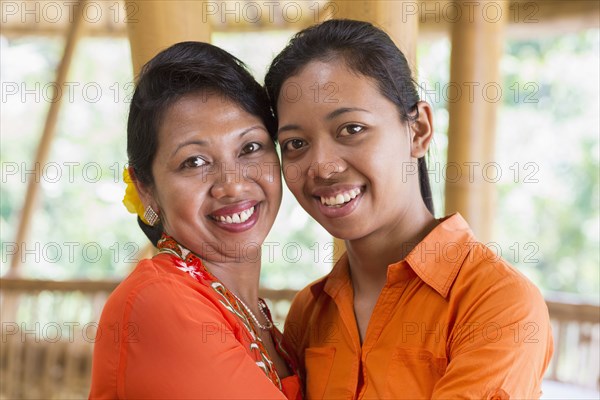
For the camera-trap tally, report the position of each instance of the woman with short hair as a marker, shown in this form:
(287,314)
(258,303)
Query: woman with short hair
(205,181)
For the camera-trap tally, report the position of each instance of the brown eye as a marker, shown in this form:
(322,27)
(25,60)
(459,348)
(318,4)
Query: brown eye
(350,130)
(293,144)
(194,162)
(251,148)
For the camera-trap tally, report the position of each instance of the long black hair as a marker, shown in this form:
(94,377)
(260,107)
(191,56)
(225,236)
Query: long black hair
(366,50)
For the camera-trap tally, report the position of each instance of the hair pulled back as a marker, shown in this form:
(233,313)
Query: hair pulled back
(366,50)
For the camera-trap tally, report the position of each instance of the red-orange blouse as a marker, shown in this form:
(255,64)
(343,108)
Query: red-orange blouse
(172,330)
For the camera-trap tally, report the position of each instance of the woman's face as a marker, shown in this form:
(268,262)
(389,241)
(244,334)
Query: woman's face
(347,157)
(217,181)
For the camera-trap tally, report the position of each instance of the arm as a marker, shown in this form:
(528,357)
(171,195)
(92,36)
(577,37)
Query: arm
(180,346)
(501,345)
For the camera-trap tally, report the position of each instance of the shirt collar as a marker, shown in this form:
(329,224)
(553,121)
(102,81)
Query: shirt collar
(436,260)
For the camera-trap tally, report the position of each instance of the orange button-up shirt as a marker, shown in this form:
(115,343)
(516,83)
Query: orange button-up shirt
(453,321)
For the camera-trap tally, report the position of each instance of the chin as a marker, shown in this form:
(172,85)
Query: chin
(343,233)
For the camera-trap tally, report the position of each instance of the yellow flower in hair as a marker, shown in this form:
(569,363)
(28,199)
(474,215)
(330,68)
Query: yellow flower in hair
(132,199)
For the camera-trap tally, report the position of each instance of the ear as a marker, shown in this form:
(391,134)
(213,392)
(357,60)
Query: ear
(144,191)
(421,130)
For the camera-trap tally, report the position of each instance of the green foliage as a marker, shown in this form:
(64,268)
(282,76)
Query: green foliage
(79,228)
(550,211)
(547,147)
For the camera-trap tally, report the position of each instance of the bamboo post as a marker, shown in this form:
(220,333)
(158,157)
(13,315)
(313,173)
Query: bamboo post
(474,70)
(400,20)
(159,24)
(156,25)
(48,134)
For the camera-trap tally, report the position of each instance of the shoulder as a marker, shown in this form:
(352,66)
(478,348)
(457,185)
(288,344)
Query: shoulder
(484,267)
(154,286)
(135,300)
(306,298)
(489,283)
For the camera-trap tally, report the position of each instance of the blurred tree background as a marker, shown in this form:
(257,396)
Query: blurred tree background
(547,151)
(552,208)
(547,214)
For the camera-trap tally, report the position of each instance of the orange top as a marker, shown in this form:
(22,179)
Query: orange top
(453,321)
(166,334)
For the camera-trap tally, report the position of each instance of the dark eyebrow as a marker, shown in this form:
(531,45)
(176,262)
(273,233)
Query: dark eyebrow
(259,127)
(289,127)
(340,111)
(205,143)
(190,142)
(328,117)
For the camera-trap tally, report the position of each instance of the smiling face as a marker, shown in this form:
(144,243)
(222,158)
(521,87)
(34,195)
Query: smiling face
(217,182)
(348,158)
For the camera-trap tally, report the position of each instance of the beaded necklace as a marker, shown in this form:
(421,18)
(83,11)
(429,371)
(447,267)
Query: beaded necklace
(187,261)
(261,307)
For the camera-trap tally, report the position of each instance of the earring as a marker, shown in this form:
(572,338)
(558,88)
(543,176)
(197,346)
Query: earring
(151,216)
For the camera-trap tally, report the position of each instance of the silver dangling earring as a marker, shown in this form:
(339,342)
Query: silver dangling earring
(151,216)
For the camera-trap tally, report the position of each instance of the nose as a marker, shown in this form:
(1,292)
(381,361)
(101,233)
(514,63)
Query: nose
(229,182)
(326,162)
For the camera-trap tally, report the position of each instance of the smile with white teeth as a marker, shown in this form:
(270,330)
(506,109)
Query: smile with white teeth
(340,199)
(236,218)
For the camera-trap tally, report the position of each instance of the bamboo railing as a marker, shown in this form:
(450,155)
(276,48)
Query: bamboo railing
(48,334)
(49,327)
(576,333)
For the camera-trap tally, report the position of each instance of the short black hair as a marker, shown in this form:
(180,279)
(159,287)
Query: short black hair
(182,69)
(366,50)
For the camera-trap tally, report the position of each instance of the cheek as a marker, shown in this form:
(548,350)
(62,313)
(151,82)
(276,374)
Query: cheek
(256,172)
(274,182)
(180,198)
(269,177)
(171,205)
(292,173)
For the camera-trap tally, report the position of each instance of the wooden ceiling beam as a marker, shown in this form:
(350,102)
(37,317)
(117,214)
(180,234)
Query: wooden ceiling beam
(524,18)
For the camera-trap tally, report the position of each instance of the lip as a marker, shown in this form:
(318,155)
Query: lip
(333,191)
(234,209)
(337,212)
